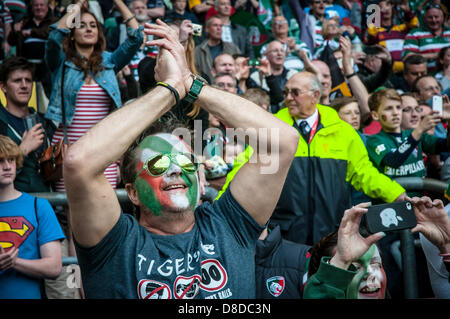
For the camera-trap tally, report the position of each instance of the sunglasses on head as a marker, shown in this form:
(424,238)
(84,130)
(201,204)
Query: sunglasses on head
(159,164)
(432,6)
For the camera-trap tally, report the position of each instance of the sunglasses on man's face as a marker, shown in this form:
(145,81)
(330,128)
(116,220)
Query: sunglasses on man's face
(294,91)
(159,164)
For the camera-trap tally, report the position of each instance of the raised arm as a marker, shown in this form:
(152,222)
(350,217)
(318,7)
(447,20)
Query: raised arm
(258,184)
(126,14)
(358,88)
(69,19)
(93,202)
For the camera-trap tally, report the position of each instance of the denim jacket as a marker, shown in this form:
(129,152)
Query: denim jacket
(112,63)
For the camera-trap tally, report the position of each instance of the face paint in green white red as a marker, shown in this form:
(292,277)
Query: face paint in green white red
(175,191)
(370,280)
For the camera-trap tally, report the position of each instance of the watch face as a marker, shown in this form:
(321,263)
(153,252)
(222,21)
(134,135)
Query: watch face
(198,77)
(196,86)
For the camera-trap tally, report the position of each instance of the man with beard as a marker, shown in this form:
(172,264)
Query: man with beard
(173,243)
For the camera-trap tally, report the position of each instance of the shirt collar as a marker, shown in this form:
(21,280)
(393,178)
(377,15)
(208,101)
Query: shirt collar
(311,120)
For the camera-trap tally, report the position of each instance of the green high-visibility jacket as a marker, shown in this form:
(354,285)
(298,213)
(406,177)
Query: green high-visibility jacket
(317,188)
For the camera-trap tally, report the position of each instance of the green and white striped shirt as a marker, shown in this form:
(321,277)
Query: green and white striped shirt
(422,41)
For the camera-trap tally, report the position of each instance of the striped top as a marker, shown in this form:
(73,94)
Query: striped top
(393,38)
(318,38)
(5,18)
(92,105)
(422,41)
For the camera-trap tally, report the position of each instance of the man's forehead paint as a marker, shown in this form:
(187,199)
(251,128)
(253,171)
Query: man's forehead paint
(162,143)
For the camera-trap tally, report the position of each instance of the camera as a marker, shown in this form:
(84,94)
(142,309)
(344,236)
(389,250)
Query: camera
(253,62)
(197,29)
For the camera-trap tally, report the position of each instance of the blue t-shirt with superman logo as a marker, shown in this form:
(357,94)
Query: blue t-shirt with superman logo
(19,228)
(215,260)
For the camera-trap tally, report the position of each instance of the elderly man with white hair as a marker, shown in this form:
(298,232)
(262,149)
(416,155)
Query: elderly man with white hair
(330,153)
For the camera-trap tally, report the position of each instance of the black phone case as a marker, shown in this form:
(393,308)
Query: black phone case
(390,217)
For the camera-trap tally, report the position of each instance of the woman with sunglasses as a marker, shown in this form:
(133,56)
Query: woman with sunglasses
(76,56)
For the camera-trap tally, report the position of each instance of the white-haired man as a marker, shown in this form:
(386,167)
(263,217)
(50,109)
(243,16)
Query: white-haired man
(330,153)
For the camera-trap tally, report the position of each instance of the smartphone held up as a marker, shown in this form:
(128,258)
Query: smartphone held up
(390,217)
(437,103)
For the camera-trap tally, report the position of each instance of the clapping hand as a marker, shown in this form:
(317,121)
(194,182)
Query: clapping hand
(171,66)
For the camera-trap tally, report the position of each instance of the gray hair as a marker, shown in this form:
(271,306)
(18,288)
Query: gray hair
(315,84)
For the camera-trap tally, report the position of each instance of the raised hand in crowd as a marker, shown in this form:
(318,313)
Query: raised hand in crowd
(32,139)
(171,66)
(404,6)
(186,29)
(427,123)
(242,68)
(351,245)
(432,221)
(290,44)
(445,107)
(358,88)
(264,68)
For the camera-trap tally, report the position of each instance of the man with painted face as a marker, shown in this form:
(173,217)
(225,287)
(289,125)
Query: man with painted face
(176,249)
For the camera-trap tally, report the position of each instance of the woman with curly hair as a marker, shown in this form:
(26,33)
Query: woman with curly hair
(76,56)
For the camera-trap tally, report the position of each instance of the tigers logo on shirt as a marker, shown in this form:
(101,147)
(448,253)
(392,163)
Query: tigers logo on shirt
(380,148)
(13,231)
(276,285)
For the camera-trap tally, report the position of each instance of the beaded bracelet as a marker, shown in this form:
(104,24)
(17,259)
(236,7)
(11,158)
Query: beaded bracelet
(129,19)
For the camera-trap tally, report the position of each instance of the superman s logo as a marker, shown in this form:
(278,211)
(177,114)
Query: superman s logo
(14,231)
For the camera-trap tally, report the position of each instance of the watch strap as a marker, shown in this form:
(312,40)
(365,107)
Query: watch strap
(194,91)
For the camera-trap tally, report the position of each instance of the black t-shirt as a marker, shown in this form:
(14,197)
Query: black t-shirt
(215,260)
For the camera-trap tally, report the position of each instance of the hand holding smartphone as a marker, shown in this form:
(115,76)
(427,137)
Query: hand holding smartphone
(437,103)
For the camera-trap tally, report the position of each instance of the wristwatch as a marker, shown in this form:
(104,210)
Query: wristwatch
(195,89)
